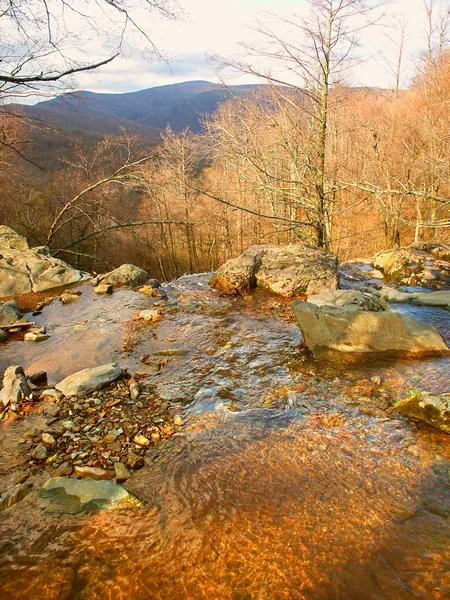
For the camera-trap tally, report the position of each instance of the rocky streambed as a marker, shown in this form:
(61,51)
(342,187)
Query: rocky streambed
(258,471)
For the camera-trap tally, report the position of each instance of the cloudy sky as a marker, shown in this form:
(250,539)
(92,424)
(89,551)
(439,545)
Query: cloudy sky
(217,27)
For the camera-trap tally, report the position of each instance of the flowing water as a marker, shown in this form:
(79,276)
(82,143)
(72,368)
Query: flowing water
(290,481)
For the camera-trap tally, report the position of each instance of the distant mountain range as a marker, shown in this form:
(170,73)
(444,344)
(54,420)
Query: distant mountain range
(179,105)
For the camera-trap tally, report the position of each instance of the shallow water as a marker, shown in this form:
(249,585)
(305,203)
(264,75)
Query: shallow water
(291,481)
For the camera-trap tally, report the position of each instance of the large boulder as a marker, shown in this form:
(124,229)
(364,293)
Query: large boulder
(416,265)
(24,270)
(351,299)
(327,330)
(430,408)
(89,380)
(123,276)
(292,270)
(63,495)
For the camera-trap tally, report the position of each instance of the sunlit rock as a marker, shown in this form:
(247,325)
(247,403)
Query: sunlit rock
(15,386)
(327,329)
(89,380)
(124,276)
(14,495)
(432,409)
(24,269)
(291,270)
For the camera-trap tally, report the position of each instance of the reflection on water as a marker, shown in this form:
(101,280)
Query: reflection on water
(289,482)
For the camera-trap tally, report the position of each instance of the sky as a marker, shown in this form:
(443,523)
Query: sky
(216,27)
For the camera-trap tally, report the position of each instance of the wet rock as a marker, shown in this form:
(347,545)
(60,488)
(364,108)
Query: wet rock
(125,275)
(350,299)
(15,386)
(103,289)
(134,461)
(121,472)
(63,495)
(291,270)
(9,312)
(39,453)
(430,408)
(24,269)
(31,336)
(326,329)
(14,495)
(151,315)
(92,473)
(89,380)
(69,298)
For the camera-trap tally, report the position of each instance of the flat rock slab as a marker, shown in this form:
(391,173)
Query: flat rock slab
(89,380)
(432,409)
(350,299)
(124,276)
(65,495)
(440,299)
(291,270)
(329,330)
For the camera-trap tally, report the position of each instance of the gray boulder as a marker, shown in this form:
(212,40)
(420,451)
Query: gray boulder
(291,270)
(15,386)
(9,312)
(350,299)
(327,330)
(432,409)
(89,380)
(64,495)
(24,270)
(123,276)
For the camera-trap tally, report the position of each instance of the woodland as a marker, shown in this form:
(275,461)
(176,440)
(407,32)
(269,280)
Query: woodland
(352,170)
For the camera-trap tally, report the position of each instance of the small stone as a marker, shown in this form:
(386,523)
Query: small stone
(376,379)
(68,425)
(68,298)
(48,440)
(141,440)
(115,447)
(51,411)
(92,472)
(39,453)
(39,378)
(135,461)
(155,436)
(111,436)
(177,420)
(151,315)
(51,393)
(103,288)
(134,389)
(122,473)
(35,337)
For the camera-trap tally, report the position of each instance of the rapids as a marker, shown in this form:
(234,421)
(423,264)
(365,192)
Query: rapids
(290,481)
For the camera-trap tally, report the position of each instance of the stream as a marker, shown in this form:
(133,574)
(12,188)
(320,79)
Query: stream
(290,480)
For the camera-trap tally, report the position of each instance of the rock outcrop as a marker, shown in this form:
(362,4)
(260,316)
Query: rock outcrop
(292,270)
(432,409)
(329,330)
(426,265)
(15,386)
(123,276)
(89,380)
(24,270)
(350,299)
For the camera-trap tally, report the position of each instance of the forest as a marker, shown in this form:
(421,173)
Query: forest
(349,169)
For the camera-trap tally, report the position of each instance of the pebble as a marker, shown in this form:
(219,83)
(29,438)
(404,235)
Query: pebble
(134,461)
(92,473)
(35,337)
(48,440)
(121,472)
(111,436)
(39,453)
(141,440)
(177,420)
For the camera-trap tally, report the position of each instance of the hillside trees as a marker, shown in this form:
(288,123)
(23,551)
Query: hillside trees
(313,56)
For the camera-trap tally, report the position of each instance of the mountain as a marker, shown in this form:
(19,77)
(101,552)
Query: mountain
(179,105)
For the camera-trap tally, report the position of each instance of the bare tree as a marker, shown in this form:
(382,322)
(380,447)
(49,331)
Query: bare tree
(46,42)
